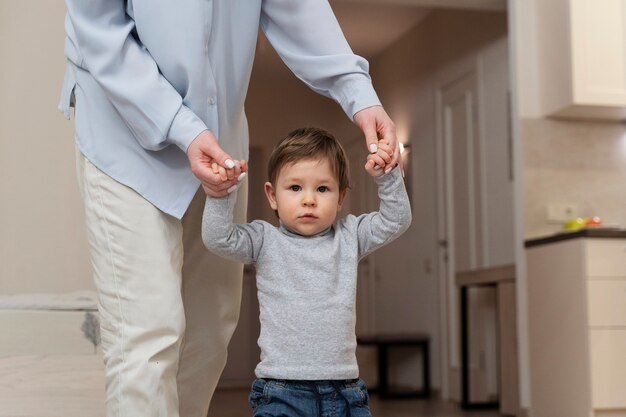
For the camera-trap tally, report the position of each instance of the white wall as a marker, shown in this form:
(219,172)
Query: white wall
(578,163)
(43,244)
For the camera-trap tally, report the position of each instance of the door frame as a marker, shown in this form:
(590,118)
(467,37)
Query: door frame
(449,325)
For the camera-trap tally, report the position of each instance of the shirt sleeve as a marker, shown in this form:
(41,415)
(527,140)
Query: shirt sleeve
(238,242)
(306,35)
(106,47)
(391,220)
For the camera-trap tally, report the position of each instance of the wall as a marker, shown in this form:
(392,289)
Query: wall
(42,244)
(573,162)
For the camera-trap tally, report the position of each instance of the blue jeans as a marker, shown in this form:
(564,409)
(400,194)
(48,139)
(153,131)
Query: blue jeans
(290,398)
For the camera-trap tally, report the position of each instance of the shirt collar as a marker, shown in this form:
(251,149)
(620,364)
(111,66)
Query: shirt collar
(288,232)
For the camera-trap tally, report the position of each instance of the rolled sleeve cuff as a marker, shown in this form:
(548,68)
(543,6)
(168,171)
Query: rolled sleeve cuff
(185,127)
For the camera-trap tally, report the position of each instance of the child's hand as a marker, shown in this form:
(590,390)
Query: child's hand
(377,163)
(239,171)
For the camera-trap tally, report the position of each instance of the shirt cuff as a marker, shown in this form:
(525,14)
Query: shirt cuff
(185,127)
(356,95)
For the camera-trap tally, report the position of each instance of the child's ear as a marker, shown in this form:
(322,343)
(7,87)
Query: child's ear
(270,193)
(342,195)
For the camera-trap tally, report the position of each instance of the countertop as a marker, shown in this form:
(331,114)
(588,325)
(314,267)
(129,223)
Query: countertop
(592,232)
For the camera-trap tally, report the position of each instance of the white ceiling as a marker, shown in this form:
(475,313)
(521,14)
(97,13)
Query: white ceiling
(372,25)
(500,5)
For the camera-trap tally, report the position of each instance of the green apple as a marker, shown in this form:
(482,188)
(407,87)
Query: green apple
(574,224)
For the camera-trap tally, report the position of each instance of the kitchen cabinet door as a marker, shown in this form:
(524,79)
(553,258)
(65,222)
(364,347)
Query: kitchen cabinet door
(599,51)
(608,368)
(583,58)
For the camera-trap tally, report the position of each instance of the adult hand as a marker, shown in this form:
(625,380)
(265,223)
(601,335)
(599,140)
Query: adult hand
(202,152)
(376,125)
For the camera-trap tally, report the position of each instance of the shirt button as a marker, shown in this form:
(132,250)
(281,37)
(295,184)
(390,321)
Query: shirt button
(212,100)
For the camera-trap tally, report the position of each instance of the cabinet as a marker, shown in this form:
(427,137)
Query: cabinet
(577,327)
(582,58)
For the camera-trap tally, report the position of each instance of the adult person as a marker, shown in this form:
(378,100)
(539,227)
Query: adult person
(155,85)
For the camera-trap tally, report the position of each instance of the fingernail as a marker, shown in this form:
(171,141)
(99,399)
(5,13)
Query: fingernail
(241,176)
(231,189)
(229,163)
(373,147)
(376,167)
(388,169)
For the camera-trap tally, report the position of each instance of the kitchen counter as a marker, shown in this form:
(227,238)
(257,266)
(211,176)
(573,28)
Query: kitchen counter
(592,232)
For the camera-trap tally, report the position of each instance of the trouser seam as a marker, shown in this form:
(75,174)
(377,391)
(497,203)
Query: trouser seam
(120,327)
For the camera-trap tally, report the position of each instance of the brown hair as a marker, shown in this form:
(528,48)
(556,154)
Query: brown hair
(309,143)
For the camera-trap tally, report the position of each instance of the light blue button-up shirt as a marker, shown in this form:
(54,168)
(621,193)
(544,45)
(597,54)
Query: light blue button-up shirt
(147,74)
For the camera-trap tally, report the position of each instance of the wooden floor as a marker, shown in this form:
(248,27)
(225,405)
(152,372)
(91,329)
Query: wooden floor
(52,386)
(72,386)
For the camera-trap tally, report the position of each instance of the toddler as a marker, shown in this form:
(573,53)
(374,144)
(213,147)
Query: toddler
(306,272)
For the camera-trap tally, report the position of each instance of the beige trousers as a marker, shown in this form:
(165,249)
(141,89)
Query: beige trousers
(168,307)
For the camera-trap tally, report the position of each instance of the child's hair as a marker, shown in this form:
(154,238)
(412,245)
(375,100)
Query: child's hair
(309,143)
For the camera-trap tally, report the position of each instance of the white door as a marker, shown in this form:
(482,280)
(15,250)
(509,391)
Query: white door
(462,237)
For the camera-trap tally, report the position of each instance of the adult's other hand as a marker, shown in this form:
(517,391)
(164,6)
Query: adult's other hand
(202,152)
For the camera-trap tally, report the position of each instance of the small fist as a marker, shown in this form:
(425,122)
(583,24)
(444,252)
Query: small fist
(378,163)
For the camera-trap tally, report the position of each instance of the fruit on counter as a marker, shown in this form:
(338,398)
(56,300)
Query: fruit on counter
(594,221)
(580,223)
(574,224)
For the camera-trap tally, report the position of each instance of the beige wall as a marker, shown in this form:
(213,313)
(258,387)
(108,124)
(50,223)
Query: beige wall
(573,162)
(42,244)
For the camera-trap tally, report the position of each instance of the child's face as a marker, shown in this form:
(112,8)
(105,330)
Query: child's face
(306,196)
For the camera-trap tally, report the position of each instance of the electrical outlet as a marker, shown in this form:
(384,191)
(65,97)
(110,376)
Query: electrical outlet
(561,212)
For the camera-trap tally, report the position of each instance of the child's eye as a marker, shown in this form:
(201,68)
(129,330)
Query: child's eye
(322,189)
(295,188)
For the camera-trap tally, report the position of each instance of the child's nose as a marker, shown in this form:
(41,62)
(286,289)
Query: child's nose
(309,200)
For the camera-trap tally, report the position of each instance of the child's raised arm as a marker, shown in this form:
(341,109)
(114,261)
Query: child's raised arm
(394,214)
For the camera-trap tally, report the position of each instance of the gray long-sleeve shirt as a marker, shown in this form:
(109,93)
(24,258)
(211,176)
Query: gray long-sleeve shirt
(306,285)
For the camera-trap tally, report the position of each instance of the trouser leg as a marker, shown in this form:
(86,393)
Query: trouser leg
(212,298)
(137,257)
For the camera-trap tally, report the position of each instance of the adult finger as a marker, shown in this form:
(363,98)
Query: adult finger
(366,121)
